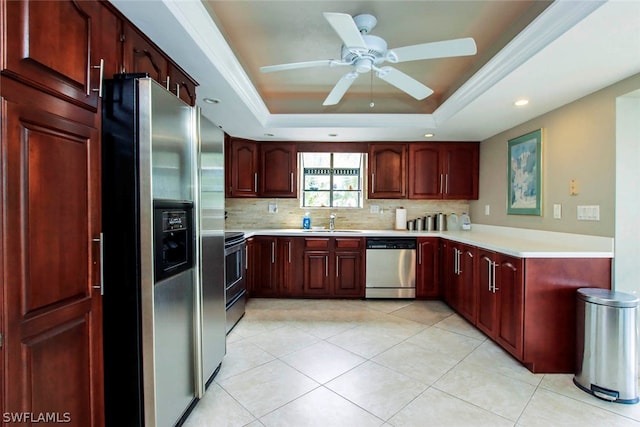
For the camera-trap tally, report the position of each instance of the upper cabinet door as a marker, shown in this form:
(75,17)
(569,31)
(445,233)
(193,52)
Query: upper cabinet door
(278,171)
(425,178)
(57,47)
(181,85)
(241,163)
(387,171)
(460,162)
(142,56)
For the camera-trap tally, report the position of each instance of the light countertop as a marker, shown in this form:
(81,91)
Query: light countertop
(518,242)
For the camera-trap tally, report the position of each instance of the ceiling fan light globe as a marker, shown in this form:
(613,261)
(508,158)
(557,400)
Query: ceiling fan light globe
(363,65)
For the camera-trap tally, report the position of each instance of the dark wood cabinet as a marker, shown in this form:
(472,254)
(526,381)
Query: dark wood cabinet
(52,318)
(349,268)
(289,260)
(263,266)
(333,267)
(387,171)
(427,271)
(58,47)
(425,176)
(467,303)
(500,299)
(443,171)
(460,169)
(459,278)
(261,169)
(141,55)
(274,266)
(241,168)
(278,170)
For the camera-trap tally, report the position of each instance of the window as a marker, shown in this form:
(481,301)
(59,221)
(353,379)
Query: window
(332,180)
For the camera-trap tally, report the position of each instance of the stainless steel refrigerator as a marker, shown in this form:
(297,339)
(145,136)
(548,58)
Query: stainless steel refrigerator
(150,223)
(212,261)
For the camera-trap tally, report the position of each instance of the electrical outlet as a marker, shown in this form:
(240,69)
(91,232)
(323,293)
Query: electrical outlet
(487,209)
(589,213)
(557,211)
(273,208)
(374,209)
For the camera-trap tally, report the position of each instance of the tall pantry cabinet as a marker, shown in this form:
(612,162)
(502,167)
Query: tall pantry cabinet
(54,56)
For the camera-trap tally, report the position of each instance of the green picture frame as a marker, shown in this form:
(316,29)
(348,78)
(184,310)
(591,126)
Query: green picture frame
(524,174)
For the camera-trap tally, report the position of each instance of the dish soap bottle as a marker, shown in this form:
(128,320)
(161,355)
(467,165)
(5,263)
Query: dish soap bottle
(306,221)
(466,221)
(452,222)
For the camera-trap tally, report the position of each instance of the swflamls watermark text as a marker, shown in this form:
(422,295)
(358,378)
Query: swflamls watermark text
(36,417)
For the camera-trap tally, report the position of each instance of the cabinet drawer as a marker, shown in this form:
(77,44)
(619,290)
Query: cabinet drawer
(316,243)
(348,243)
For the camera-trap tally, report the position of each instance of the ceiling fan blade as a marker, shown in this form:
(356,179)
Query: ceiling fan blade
(296,65)
(340,88)
(343,24)
(403,82)
(443,49)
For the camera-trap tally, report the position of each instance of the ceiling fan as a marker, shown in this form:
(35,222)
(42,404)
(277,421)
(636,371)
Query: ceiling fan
(365,52)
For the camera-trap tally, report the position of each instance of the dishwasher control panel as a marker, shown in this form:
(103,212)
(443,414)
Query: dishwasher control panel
(391,242)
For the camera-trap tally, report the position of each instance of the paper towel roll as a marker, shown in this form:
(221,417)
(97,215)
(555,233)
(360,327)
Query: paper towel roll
(401,219)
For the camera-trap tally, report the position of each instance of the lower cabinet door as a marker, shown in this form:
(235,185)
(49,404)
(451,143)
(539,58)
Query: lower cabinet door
(348,277)
(317,278)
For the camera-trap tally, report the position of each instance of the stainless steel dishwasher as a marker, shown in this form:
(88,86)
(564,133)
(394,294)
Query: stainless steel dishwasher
(391,267)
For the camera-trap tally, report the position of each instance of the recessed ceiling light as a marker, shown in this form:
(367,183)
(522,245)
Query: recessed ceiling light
(211,100)
(428,135)
(521,102)
(268,134)
(333,135)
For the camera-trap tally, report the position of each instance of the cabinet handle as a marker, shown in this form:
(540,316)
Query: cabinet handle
(291,187)
(246,257)
(178,90)
(255,182)
(337,267)
(100,241)
(289,252)
(494,277)
(326,266)
(441,180)
(446,181)
(373,182)
(168,82)
(459,269)
(101,68)
(419,254)
(273,252)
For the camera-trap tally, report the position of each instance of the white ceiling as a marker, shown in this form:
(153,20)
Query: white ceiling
(571,49)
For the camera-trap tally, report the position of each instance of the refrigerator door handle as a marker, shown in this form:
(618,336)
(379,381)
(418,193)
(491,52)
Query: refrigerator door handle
(100,241)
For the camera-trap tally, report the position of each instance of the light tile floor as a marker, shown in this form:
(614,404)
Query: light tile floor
(383,363)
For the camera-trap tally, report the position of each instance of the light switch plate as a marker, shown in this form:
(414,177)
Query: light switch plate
(557,211)
(589,213)
(374,209)
(273,208)
(487,209)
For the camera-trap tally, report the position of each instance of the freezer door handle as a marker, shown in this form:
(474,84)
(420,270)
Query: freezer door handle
(100,241)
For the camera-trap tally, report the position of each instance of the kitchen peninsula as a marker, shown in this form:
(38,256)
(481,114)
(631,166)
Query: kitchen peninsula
(515,285)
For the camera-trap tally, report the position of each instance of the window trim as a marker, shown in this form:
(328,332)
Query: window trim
(331,172)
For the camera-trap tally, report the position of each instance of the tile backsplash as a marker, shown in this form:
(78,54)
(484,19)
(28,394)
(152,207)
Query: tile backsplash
(248,214)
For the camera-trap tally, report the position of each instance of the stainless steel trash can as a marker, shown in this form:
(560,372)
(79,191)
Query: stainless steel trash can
(607,344)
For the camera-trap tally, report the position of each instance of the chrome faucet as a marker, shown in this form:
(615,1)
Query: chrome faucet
(332,221)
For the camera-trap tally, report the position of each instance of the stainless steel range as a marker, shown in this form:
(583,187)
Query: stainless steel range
(235,281)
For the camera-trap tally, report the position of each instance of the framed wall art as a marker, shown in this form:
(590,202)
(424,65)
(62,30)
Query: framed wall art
(525,174)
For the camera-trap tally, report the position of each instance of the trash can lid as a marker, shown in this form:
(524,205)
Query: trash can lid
(607,297)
